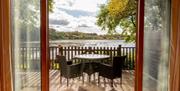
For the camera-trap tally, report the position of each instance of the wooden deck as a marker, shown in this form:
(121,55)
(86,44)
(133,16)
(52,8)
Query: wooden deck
(31,82)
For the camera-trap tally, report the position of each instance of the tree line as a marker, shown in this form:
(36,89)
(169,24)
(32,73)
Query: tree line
(56,35)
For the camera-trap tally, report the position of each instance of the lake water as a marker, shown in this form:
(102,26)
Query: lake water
(92,43)
(83,43)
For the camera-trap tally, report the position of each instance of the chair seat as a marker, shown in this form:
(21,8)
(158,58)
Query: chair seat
(68,69)
(112,71)
(69,62)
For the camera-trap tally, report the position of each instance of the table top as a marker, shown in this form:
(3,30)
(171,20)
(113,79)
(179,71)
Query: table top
(92,56)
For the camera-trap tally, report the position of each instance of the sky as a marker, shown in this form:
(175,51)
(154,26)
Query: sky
(76,15)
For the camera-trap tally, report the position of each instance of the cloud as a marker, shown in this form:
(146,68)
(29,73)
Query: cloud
(83,25)
(75,15)
(91,30)
(58,22)
(64,2)
(88,5)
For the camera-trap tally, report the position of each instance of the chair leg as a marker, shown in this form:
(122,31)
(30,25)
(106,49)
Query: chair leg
(89,78)
(104,81)
(121,80)
(60,79)
(111,82)
(67,82)
(98,80)
(94,75)
(83,78)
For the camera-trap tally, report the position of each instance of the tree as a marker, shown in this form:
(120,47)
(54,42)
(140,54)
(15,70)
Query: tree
(118,13)
(50,5)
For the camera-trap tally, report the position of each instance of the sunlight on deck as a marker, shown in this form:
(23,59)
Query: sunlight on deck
(77,84)
(31,82)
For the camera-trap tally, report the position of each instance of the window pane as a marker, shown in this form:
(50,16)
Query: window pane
(26,45)
(156,45)
(83,57)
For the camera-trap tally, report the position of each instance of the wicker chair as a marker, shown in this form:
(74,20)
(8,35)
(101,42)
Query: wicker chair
(68,70)
(112,71)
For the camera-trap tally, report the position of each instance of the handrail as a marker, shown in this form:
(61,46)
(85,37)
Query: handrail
(33,54)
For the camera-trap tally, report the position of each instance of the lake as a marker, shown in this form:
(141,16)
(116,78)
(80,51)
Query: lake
(92,43)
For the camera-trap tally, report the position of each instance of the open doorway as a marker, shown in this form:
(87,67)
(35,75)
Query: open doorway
(24,57)
(34,68)
(92,34)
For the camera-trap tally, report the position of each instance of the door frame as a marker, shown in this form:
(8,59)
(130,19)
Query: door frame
(6,82)
(174,66)
(44,46)
(139,46)
(174,72)
(5,46)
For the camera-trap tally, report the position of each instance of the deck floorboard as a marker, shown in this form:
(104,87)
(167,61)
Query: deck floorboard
(31,82)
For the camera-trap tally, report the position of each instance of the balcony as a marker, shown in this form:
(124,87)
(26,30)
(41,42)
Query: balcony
(30,79)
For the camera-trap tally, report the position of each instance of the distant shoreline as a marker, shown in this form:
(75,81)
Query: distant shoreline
(83,42)
(57,35)
(93,43)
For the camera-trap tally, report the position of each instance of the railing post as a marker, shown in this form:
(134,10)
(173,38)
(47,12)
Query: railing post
(60,50)
(119,50)
(90,50)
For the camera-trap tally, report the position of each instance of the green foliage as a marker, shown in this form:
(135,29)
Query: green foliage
(106,21)
(118,13)
(129,27)
(50,5)
(116,6)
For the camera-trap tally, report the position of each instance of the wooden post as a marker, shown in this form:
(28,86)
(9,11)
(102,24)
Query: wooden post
(90,50)
(119,50)
(5,47)
(60,50)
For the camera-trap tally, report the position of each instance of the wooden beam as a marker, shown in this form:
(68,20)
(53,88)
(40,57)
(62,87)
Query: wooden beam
(139,46)
(5,47)
(175,47)
(44,46)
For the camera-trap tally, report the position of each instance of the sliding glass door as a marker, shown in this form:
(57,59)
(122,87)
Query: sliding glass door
(26,52)
(156,45)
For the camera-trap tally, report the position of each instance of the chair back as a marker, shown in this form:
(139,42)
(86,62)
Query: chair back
(118,62)
(63,64)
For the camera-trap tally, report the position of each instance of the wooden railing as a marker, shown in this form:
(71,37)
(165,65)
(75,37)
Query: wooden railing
(29,58)
(70,52)
(31,55)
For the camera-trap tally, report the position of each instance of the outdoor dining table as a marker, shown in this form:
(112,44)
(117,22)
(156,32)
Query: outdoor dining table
(89,59)
(94,57)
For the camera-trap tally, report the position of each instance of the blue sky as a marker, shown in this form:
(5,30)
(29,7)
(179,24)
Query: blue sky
(76,15)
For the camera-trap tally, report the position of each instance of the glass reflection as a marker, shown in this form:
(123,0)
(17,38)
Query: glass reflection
(156,45)
(26,44)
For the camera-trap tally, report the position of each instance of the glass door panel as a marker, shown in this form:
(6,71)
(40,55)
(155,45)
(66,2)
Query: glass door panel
(80,50)
(156,45)
(26,45)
